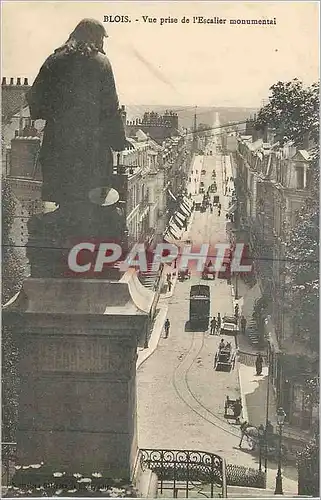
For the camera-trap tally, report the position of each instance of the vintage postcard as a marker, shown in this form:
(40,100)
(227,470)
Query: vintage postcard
(160,249)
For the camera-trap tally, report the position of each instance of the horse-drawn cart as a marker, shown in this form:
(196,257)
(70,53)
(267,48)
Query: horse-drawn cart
(233,408)
(224,358)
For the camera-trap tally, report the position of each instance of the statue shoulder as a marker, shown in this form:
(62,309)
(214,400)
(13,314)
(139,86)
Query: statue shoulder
(103,62)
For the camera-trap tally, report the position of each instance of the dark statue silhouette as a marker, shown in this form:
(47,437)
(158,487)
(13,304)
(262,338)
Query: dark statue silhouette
(75,94)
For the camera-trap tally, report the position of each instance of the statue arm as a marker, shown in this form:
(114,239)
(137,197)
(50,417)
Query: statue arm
(110,111)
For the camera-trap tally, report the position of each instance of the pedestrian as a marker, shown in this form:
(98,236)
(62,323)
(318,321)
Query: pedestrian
(219,321)
(221,344)
(259,364)
(269,429)
(219,212)
(167,327)
(213,326)
(237,410)
(169,283)
(243,325)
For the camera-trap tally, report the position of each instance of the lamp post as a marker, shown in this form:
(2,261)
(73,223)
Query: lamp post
(267,409)
(261,439)
(278,482)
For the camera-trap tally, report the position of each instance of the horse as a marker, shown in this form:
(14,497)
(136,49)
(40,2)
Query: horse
(251,433)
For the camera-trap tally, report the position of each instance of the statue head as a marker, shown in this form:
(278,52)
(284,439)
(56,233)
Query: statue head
(89,30)
(88,36)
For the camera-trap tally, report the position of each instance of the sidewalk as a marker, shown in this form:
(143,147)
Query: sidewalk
(143,354)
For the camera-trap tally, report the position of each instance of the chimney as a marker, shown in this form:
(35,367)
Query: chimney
(25,81)
(11,81)
(18,81)
(4,81)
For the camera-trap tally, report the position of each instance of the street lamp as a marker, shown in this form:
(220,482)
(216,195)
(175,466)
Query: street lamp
(280,415)
(261,431)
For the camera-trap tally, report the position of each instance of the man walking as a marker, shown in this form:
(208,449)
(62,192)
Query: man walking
(243,325)
(167,327)
(219,322)
(213,326)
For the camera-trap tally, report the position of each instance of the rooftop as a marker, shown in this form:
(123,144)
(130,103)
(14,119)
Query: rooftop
(13,96)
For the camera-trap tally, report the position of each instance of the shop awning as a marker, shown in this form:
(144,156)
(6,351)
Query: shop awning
(172,224)
(174,231)
(171,194)
(188,207)
(187,202)
(169,238)
(180,216)
(185,211)
(232,208)
(179,223)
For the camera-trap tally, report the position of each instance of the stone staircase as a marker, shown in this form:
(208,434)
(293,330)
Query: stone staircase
(148,278)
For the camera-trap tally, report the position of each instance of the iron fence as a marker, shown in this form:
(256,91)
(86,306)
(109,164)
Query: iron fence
(249,358)
(182,468)
(238,475)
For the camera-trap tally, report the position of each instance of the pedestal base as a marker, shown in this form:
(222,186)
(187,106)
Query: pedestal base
(78,347)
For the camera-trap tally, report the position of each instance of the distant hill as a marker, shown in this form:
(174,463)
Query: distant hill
(186,114)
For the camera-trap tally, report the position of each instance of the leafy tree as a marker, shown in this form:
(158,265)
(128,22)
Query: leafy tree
(292,112)
(12,275)
(309,468)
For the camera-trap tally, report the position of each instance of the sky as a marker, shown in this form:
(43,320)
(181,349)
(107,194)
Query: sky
(175,63)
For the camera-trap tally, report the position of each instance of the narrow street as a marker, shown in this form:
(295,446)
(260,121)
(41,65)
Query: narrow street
(180,396)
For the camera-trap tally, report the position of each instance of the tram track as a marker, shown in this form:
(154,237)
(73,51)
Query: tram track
(201,410)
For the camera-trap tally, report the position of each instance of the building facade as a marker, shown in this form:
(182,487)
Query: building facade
(273,184)
(145,205)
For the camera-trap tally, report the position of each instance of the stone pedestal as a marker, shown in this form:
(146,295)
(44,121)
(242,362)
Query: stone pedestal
(78,344)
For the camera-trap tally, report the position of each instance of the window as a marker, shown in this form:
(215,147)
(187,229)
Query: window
(300,177)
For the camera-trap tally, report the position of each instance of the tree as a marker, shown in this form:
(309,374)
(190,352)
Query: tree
(309,468)
(292,112)
(12,275)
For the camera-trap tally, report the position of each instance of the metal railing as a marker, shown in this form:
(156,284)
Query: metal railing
(182,469)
